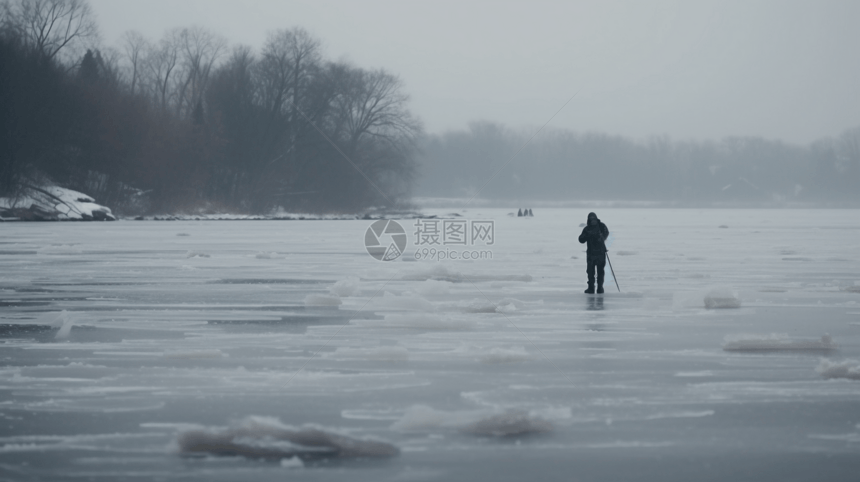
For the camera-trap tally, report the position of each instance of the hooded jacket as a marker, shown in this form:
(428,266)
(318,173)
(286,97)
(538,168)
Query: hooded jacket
(594,236)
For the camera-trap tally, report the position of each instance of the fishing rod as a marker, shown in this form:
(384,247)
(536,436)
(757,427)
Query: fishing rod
(613,271)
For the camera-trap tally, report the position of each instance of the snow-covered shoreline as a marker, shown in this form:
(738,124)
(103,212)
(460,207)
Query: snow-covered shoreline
(54,203)
(282,217)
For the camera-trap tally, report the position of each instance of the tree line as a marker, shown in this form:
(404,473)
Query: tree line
(189,122)
(566,165)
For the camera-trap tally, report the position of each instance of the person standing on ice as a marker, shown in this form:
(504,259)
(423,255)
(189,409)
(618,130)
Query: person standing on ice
(595,233)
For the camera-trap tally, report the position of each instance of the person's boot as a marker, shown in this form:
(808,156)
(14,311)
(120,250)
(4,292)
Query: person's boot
(599,289)
(590,290)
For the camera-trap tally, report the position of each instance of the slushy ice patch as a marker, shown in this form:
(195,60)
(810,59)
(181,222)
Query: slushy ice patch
(193,354)
(440,272)
(381,353)
(477,305)
(488,423)
(515,354)
(405,302)
(716,297)
(268,438)
(314,299)
(420,321)
(849,369)
(292,463)
(776,342)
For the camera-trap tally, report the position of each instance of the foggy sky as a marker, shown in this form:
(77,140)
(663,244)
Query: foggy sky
(703,69)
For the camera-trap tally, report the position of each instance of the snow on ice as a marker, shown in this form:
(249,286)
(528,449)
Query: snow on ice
(53,203)
(845,369)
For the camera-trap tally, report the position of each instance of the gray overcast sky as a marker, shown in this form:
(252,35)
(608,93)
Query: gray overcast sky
(689,69)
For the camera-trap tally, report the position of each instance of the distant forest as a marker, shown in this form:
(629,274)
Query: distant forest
(563,165)
(188,122)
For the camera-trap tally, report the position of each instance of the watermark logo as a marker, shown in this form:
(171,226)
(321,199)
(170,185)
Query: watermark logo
(385,240)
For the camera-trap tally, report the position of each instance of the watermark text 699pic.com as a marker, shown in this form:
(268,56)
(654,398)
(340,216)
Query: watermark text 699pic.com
(436,239)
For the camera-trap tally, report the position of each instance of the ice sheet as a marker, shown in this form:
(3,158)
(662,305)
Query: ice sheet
(117,337)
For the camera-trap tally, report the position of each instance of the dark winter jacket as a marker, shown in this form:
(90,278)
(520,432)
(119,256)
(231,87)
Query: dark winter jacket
(594,236)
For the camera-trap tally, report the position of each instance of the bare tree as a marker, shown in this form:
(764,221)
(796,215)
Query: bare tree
(198,49)
(290,61)
(373,105)
(372,123)
(110,65)
(135,46)
(49,26)
(161,61)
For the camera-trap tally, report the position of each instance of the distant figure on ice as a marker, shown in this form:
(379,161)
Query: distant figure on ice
(520,213)
(595,233)
(530,213)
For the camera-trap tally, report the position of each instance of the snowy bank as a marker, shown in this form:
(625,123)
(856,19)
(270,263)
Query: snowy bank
(53,203)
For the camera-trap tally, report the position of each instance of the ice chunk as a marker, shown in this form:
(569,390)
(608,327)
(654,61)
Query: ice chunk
(65,320)
(719,298)
(505,355)
(190,354)
(432,287)
(266,437)
(345,287)
(776,342)
(845,369)
(315,299)
(267,255)
(196,254)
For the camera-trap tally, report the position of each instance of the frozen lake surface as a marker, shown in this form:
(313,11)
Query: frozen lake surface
(121,340)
